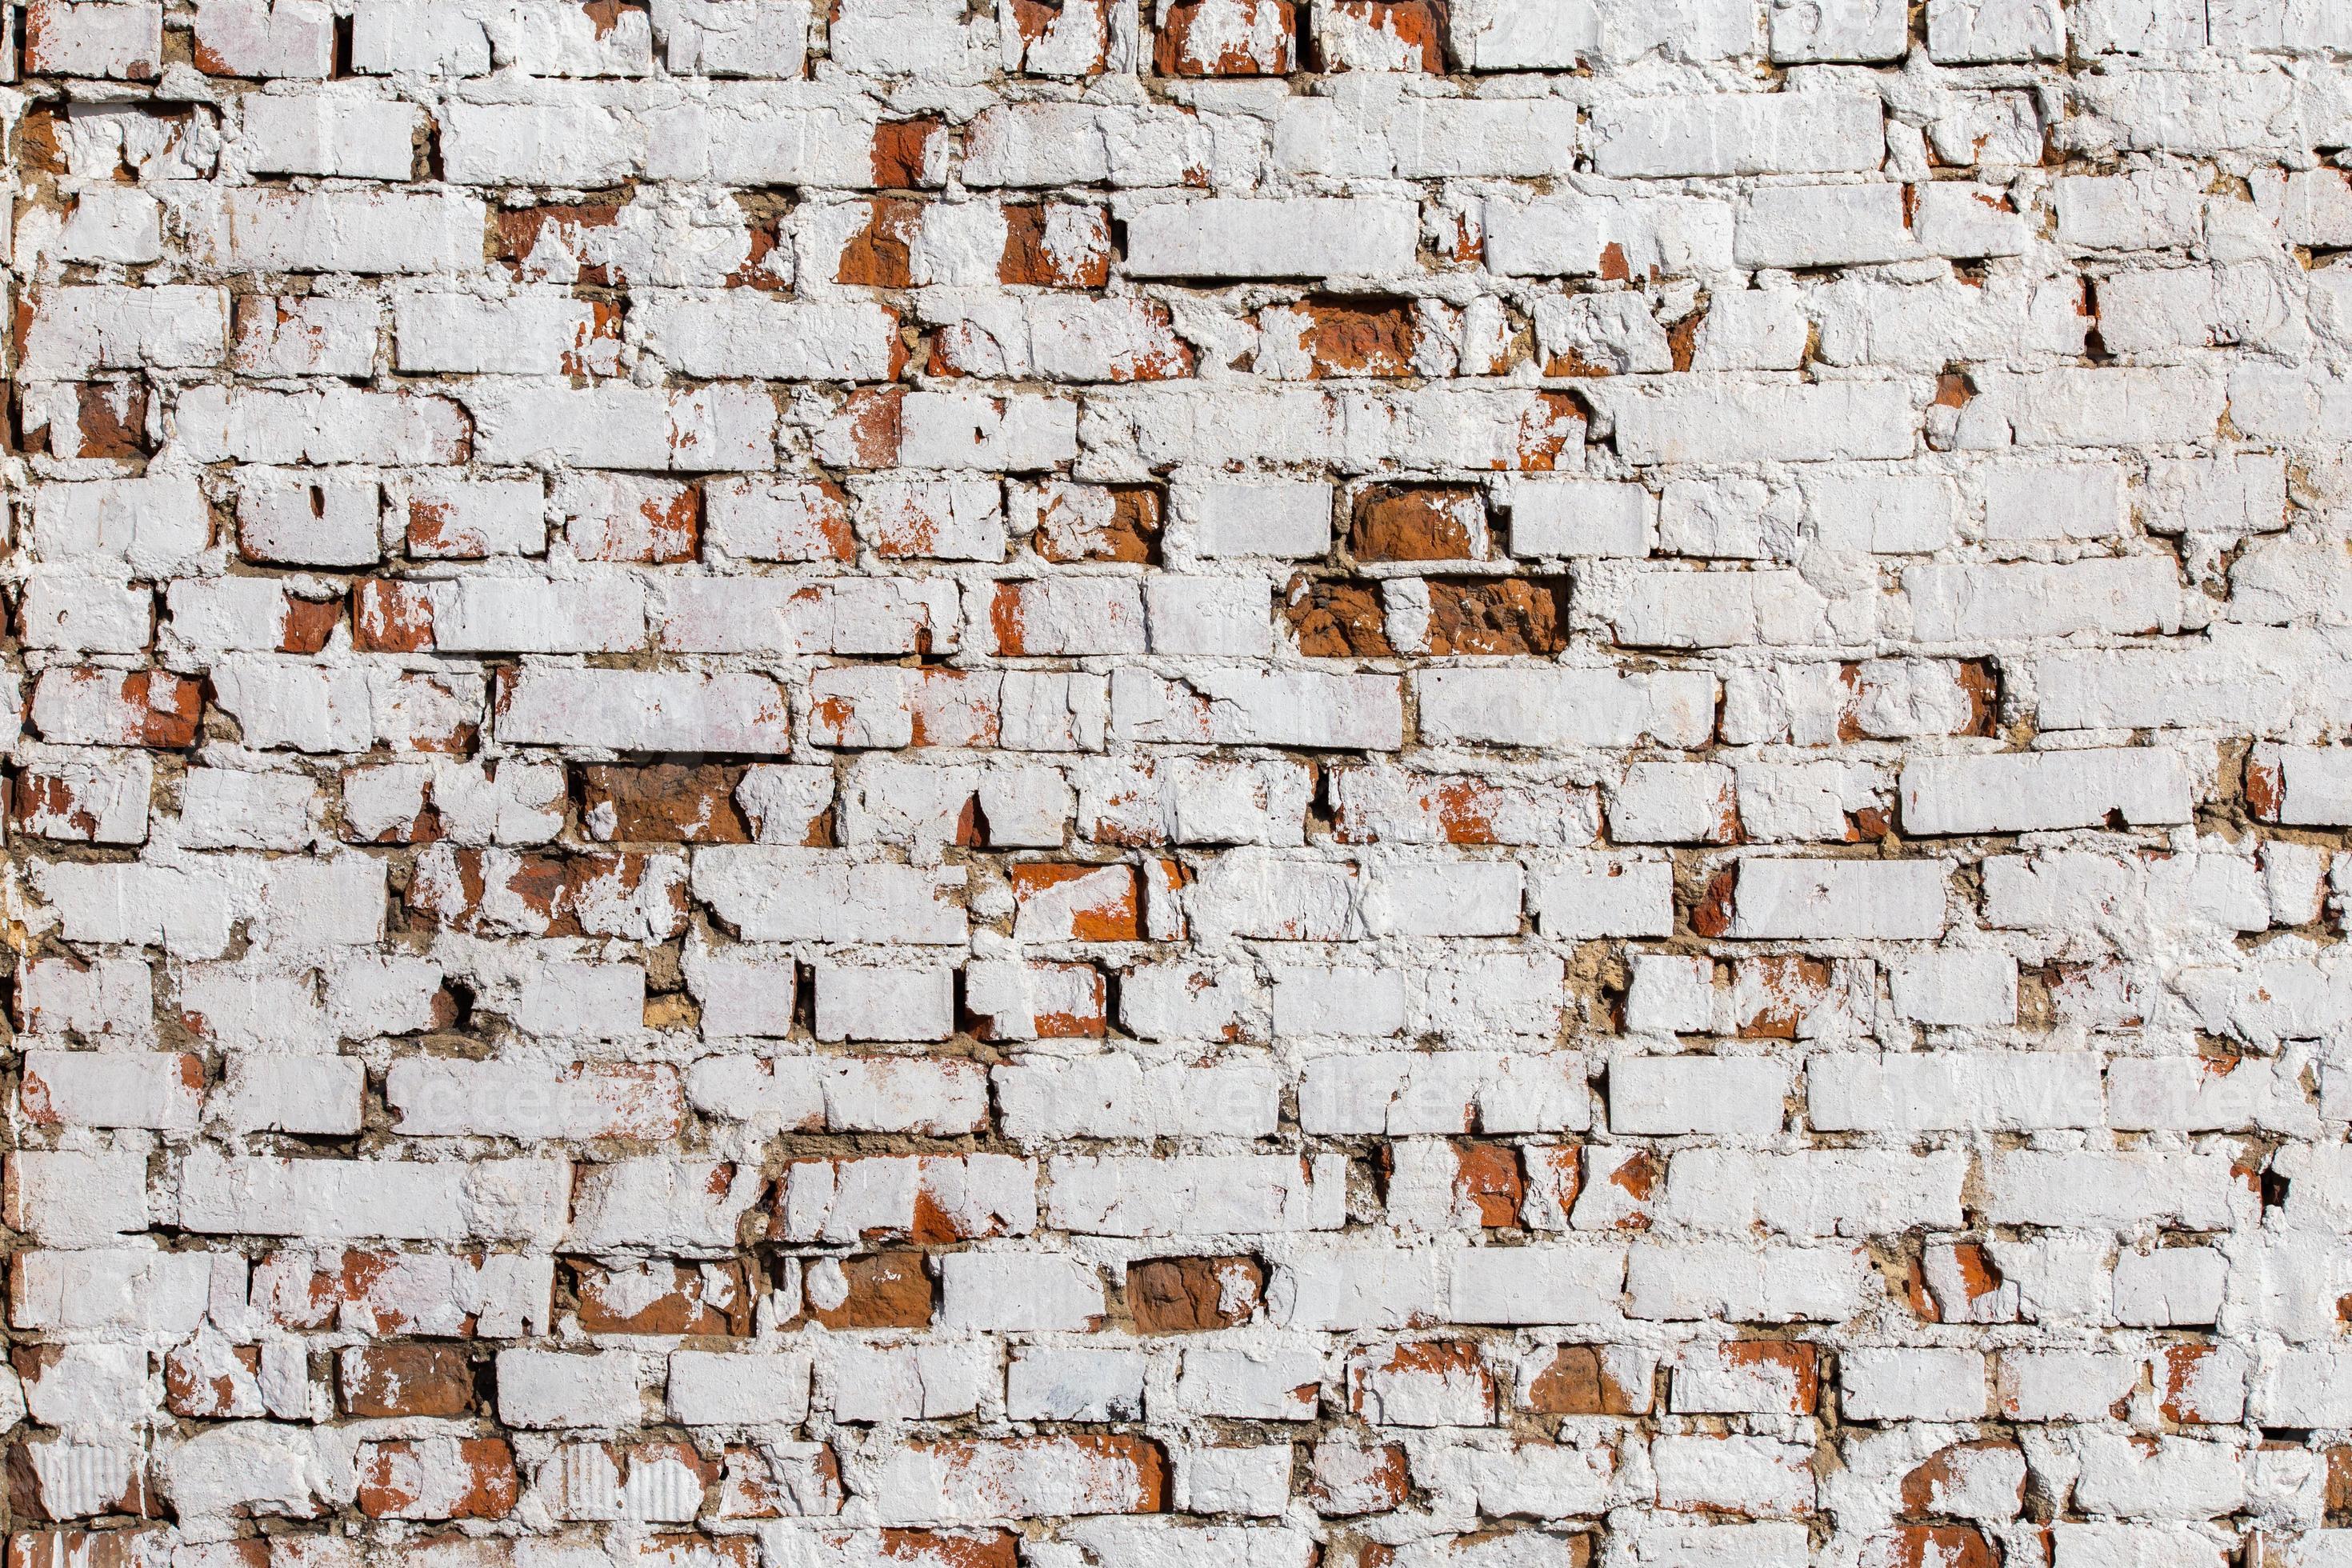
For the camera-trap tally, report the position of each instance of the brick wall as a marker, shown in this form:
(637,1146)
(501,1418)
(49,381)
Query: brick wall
(1179,783)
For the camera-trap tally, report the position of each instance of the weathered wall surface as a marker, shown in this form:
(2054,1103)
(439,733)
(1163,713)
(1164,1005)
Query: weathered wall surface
(1546,784)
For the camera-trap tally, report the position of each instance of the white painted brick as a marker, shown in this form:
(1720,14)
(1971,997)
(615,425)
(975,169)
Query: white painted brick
(1018,1291)
(1247,1195)
(1724,1095)
(71,1200)
(321,133)
(1581,517)
(1235,238)
(1896,901)
(1823,226)
(1786,133)
(1602,895)
(1112,1096)
(859,1003)
(315,1096)
(556,1388)
(1911,1384)
(709,1388)
(1226,517)
(2043,790)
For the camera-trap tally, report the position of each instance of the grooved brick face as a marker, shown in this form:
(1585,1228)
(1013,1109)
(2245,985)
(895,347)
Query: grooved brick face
(1294,783)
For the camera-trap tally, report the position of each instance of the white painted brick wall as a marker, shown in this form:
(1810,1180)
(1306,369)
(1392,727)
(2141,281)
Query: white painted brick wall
(1016,783)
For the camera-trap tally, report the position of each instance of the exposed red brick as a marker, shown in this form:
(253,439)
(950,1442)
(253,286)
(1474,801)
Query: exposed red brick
(881,253)
(51,800)
(553,891)
(1068,1004)
(1557,423)
(879,1290)
(687,1298)
(1351,337)
(1128,531)
(1418,523)
(1452,1362)
(1489,1177)
(1496,616)
(1980,683)
(1713,915)
(1418,25)
(518,234)
(1682,338)
(1336,620)
(390,616)
(1777,994)
(401,1479)
(1053,23)
(309,623)
(26,1496)
(663,529)
(160,710)
(903,150)
(592,353)
(112,422)
(1110,909)
(2180,1384)
(1799,1360)
(1052,245)
(1576,1382)
(1188,1295)
(669,802)
(871,418)
(2265,787)
(407,1380)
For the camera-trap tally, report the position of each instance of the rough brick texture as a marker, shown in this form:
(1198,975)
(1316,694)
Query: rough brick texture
(1178,783)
